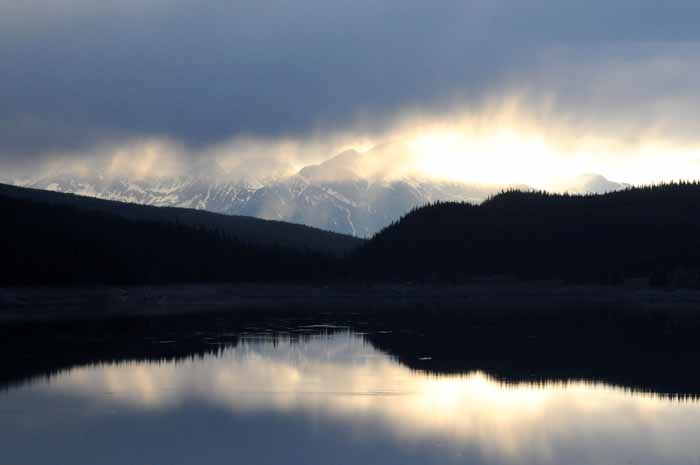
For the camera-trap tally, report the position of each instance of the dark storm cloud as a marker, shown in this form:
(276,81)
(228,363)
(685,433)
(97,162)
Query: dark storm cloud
(75,72)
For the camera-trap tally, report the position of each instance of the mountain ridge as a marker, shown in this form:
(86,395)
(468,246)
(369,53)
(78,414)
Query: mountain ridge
(350,193)
(244,228)
(649,232)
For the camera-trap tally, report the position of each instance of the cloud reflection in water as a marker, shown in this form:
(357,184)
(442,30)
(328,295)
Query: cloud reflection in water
(341,378)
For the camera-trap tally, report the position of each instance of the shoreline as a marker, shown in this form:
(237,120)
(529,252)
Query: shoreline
(485,298)
(635,337)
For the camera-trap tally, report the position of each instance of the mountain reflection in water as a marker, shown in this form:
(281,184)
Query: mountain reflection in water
(331,399)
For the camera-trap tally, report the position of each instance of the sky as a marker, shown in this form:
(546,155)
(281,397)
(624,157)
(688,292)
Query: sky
(492,90)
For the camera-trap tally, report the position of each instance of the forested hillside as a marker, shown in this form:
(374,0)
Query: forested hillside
(247,229)
(651,233)
(63,245)
(642,232)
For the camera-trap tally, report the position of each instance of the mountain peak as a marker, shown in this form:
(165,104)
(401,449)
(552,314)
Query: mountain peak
(206,168)
(343,166)
(590,183)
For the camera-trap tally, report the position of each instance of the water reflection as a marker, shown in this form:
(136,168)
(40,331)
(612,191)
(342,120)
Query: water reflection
(335,399)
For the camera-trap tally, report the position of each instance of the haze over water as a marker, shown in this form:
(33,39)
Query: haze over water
(331,399)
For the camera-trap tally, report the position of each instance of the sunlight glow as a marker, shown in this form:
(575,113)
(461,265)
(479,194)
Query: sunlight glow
(517,154)
(502,156)
(503,145)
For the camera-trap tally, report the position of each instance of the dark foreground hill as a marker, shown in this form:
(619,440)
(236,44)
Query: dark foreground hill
(57,244)
(651,232)
(246,229)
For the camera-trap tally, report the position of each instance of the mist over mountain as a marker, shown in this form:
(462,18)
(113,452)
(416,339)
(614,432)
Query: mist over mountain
(589,183)
(352,193)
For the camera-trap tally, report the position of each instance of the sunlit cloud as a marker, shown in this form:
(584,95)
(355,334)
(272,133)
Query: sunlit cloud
(498,91)
(506,143)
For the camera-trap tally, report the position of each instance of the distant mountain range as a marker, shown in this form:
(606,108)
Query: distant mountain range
(340,194)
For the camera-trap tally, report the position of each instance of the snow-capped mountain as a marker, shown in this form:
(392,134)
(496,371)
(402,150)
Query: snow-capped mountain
(182,191)
(358,206)
(334,195)
(591,184)
(205,187)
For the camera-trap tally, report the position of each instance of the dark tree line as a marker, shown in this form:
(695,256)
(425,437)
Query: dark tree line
(247,229)
(62,245)
(651,232)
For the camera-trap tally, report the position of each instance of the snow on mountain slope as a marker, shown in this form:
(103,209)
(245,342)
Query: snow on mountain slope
(593,184)
(360,207)
(186,192)
(334,195)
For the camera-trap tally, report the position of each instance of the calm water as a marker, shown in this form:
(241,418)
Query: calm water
(331,399)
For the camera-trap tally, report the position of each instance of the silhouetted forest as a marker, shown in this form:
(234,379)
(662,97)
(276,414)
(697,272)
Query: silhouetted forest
(247,229)
(62,245)
(648,232)
(651,233)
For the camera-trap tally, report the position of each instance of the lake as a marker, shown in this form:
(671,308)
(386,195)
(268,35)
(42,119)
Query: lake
(331,397)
